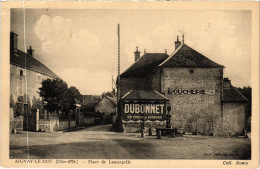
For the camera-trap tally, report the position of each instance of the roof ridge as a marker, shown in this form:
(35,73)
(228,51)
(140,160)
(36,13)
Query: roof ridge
(240,93)
(156,53)
(131,65)
(126,94)
(174,52)
(205,56)
(110,99)
(24,54)
(149,59)
(161,94)
(204,61)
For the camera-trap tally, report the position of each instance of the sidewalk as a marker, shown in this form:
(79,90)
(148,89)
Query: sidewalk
(21,131)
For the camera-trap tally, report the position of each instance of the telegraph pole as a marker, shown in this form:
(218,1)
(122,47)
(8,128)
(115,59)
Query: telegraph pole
(118,66)
(118,118)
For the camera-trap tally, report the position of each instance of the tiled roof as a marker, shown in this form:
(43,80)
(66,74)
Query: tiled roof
(185,56)
(89,106)
(26,61)
(87,98)
(145,65)
(144,95)
(233,95)
(112,99)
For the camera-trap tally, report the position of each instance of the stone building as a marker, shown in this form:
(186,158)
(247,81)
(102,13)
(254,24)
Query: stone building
(107,107)
(201,100)
(26,75)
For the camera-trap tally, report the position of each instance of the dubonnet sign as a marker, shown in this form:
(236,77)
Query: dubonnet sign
(144,111)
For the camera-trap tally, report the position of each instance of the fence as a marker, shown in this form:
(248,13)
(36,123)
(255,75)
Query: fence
(43,121)
(16,123)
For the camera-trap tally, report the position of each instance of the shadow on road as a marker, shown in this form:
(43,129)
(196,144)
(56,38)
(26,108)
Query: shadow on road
(104,128)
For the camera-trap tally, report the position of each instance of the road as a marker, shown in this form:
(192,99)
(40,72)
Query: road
(100,142)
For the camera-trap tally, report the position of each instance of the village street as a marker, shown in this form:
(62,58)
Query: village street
(100,142)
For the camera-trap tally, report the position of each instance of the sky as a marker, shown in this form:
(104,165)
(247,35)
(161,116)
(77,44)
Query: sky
(80,46)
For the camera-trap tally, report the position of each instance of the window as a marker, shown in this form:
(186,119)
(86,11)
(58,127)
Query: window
(21,73)
(39,78)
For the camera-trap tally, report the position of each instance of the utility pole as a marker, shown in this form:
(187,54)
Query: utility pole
(112,86)
(118,117)
(118,77)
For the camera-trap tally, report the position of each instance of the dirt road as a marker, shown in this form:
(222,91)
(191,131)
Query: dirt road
(100,142)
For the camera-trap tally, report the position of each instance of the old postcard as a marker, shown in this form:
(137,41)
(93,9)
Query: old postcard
(130,84)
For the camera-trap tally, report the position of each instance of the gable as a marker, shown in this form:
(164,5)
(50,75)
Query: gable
(185,56)
(105,106)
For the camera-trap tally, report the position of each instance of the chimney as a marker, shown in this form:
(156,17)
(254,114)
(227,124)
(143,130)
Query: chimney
(166,51)
(144,51)
(30,51)
(226,83)
(183,38)
(13,42)
(137,54)
(177,43)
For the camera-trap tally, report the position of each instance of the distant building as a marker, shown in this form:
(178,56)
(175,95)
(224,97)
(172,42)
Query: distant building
(26,75)
(107,107)
(90,98)
(89,102)
(200,99)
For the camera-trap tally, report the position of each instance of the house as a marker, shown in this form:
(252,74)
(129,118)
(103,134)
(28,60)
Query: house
(90,98)
(107,107)
(26,75)
(199,99)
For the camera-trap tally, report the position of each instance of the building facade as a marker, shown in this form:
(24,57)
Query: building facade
(26,75)
(195,88)
(107,107)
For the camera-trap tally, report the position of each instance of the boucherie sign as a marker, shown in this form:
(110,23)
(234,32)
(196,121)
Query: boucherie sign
(181,91)
(139,111)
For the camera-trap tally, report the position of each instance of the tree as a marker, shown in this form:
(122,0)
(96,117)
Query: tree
(54,91)
(72,94)
(58,96)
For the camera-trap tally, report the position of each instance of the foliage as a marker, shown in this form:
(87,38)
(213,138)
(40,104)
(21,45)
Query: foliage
(53,91)
(109,93)
(58,96)
(72,96)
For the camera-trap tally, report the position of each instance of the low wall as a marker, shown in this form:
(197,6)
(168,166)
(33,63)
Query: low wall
(135,127)
(44,125)
(32,122)
(63,124)
(87,121)
(55,124)
(16,123)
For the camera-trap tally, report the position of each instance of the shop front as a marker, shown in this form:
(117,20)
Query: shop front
(143,110)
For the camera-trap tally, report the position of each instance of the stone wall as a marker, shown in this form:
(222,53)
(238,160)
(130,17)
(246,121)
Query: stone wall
(64,124)
(105,106)
(234,118)
(194,112)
